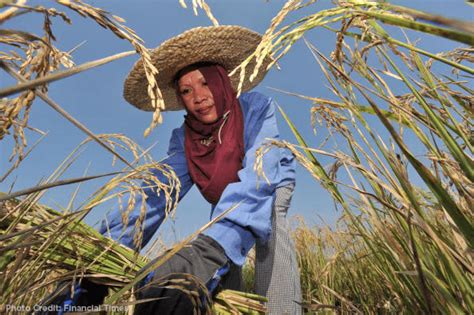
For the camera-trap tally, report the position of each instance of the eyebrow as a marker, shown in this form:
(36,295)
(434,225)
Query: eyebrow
(201,78)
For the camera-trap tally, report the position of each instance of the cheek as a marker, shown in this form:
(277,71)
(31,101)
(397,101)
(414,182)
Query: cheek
(214,113)
(210,95)
(186,101)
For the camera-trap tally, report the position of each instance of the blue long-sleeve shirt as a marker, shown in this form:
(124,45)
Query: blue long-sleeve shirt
(239,229)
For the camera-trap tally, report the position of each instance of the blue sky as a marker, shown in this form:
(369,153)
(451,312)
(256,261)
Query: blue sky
(95,97)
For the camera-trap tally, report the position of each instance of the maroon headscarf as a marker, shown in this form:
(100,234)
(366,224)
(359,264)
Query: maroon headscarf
(213,164)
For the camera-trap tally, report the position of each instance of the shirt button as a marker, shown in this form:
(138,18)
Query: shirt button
(242,251)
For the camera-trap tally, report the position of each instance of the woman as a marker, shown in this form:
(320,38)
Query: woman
(215,149)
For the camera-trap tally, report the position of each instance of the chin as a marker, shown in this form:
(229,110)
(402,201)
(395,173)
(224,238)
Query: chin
(209,120)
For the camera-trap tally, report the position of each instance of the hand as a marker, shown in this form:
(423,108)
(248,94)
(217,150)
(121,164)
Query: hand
(179,285)
(85,293)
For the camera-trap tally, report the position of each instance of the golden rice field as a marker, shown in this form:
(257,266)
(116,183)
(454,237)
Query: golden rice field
(400,246)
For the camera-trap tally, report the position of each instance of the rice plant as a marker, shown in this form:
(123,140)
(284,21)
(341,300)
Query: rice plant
(404,242)
(42,247)
(402,173)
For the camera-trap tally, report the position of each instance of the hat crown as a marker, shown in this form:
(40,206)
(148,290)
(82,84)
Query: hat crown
(226,45)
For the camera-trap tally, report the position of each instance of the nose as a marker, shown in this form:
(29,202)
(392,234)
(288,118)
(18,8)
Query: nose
(199,95)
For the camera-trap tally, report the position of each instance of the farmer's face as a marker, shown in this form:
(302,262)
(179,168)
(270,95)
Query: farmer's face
(197,97)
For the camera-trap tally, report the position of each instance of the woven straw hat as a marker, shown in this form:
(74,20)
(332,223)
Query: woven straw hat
(225,45)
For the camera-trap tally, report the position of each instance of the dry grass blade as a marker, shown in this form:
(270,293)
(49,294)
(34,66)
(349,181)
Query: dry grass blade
(74,121)
(464,26)
(45,253)
(23,35)
(368,262)
(53,184)
(263,50)
(7,14)
(104,19)
(169,254)
(26,85)
(114,24)
(20,159)
(103,260)
(433,183)
(340,297)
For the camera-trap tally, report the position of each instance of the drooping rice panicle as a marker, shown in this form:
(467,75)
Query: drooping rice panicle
(401,167)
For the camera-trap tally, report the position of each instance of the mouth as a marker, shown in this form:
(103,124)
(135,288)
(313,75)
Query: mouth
(204,110)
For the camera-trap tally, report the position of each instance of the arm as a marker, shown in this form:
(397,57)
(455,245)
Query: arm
(237,232)
(155,203)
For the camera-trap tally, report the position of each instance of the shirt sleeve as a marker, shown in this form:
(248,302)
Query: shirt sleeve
(155,203)
(239,229)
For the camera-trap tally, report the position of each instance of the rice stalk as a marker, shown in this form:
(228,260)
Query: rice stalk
(38,58)
(23,156)
(398,247)
(401,171)
(277,42)
(60,110)
(116,25)
(168,255)
(202,5)
(386,36)
(443,197)
(101,260)
(401,244)
(27,85)
(402,21)
(28,191)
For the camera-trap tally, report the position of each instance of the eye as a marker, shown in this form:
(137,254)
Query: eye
(184,91)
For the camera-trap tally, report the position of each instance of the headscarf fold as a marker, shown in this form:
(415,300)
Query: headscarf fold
(214,152)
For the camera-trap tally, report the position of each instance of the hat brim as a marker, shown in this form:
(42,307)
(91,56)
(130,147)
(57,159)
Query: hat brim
(225,45)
